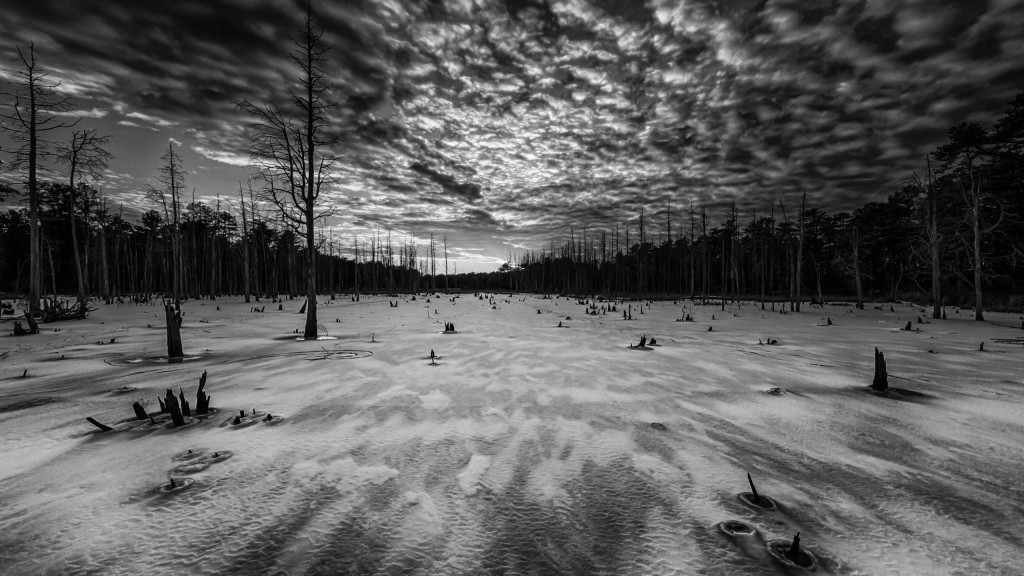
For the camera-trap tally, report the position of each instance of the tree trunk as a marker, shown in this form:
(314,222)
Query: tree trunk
(82,297)
(103,260)
(800,253)
(976,225)
(856,268)
(311,323)
(35,267)
(173,318)
(245,249)
(934,240)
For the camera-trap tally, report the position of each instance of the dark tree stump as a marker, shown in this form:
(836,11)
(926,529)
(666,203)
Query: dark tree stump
(793,554)
(163,407)
(881,381)
(33,328)
(140,412)
(643,340)
(173,333)
(172,406)
(185,411)
(202,400)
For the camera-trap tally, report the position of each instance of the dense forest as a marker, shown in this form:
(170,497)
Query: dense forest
(951,234)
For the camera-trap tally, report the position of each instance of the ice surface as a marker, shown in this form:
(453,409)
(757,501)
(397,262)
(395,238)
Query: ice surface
(528,450)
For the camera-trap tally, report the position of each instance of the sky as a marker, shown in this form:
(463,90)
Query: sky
(504,125)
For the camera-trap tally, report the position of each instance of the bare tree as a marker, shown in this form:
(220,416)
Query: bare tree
(286,146)
(29,118)
(84,155)
(967,146)
(172,176)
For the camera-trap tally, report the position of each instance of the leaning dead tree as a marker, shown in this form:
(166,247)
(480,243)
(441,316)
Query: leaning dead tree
(28,119)
(287,147)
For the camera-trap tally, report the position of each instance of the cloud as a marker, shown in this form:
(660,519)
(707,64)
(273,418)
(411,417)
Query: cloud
(93,113)
(528,116)
(131,124)
(150,119)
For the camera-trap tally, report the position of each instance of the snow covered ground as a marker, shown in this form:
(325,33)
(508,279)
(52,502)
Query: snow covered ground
(528,449)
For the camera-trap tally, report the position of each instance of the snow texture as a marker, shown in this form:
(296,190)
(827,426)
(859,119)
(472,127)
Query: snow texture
(528,451)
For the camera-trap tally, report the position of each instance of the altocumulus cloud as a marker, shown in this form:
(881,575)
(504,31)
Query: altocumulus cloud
(505,121)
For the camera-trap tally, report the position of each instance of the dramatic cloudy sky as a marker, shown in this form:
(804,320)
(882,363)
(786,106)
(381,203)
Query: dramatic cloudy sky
(502,123)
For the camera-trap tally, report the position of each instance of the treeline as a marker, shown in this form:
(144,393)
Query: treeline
(122,259)
(952,232)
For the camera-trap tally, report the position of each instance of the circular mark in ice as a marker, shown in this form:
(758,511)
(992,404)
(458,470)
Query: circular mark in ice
(778,548)
(189,454)
(239,421)
(179,485)
(761,502)
(341,355)
(659,426)
(777,391)
(202,461)
(736,528)
(135,360)
(191,467)
(318,338)
(123,390)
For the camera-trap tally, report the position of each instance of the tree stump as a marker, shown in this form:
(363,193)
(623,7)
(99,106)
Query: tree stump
(140,412)
(173,318)
(202,400)
(793,554)
(172,406)
(881,381)
(33,328)
(185,411)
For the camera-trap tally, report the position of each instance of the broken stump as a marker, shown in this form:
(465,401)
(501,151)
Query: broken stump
(173,318)
(172,406)
(881,380)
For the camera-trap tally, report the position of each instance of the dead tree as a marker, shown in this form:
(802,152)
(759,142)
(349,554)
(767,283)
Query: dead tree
(881,381)
(287,144)
(172,406)
(140,411)
(173,318)
(84,155)
(30,116)
(202,400)
(185,411)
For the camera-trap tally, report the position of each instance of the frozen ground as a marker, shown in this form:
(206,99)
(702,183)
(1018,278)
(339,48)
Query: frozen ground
(527,450)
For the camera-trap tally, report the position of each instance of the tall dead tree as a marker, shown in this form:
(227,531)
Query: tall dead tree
(84,156)
(172,176)
(30,116)
(800,252)
(287,145)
